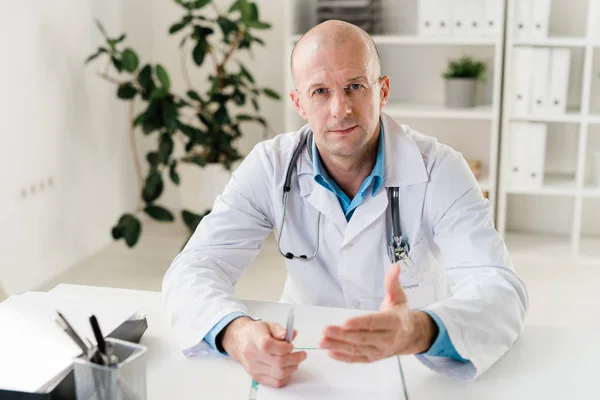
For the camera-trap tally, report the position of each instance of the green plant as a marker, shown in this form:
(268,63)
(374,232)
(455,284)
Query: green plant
(207,124)
(465,67)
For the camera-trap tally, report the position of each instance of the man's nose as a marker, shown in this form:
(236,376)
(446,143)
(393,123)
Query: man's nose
(340,104)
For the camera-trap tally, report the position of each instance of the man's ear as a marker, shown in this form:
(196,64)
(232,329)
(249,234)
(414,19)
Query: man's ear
(295,97)
(384,91)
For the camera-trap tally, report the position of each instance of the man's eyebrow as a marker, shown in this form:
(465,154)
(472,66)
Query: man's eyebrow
(319,84)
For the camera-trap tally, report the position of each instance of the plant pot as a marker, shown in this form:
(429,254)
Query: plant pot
(200,186)
(461,92)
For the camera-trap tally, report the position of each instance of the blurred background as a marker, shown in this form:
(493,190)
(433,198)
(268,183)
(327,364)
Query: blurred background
(122,121)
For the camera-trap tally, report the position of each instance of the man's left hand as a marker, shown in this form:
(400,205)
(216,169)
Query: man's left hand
(394,330)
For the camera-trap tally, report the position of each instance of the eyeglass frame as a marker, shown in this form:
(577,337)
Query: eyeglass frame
(370,85)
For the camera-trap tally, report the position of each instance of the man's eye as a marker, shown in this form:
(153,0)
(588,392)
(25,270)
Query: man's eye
(355,86)
(320,91)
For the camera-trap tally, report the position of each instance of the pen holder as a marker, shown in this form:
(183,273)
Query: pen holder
(126,380)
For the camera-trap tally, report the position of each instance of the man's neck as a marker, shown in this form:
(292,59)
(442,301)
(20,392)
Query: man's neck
(350,172)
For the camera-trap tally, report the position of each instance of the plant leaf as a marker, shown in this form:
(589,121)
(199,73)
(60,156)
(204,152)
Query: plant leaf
(145,80)
(196,159)
(96,54)
(177,27)
(165,148)
(126,91)
(246,74)
(192,94)
(259,25)
(153,186)
(129,60)
(227,26)
(133,229)
(173,173)
(192,219)
(163,77)
(244,117)
(100,27)
(255,104)
(271,93)
(117,63)
(152,158)
(253,17)
(199,51)
(200,3)
(159,213)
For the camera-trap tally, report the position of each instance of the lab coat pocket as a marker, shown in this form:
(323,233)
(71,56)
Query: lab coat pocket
(417,281)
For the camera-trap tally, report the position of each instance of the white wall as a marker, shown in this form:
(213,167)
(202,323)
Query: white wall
(60,122)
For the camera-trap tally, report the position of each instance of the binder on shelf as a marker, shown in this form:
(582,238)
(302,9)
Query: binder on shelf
(492,17)
(521,82)
(540,81)
(442,17)
(475,17)
(559,80)
(521,29)
(427,18)
(460,17)
(516,158)
(539,18)
(536,155)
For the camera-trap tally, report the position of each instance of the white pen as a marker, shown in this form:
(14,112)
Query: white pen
(289,328)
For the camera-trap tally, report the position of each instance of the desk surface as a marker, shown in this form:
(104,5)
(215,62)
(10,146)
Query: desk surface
(545,363)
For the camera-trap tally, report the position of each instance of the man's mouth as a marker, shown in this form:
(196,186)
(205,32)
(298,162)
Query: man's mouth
(343,131)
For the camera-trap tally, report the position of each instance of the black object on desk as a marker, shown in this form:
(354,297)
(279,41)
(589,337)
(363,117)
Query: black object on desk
(130,331)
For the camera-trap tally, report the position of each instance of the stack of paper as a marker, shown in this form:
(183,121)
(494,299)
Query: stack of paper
(321,377)
(34,351)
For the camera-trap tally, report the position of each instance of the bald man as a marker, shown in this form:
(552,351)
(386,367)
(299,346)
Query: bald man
(456,302)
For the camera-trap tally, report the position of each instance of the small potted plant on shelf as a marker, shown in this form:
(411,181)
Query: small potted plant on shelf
(461,81)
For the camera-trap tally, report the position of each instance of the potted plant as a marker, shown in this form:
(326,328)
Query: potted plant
(204,124)
(461,81)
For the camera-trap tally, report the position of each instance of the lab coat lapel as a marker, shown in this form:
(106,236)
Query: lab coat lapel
(370,210)
(322,200)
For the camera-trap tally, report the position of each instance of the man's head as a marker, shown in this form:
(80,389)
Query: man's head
(339,90)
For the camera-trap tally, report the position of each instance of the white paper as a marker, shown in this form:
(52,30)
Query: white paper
(521,28)
(559,80)
(33,348)
(492,17)
(536,150)
(321,377)
(540,18)
(521,82)
(540,81)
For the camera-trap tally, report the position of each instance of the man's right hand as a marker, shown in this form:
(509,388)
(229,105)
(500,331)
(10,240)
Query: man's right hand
(260,348)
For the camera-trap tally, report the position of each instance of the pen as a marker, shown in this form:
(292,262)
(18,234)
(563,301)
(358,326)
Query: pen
(289,328)
(98,335)
(64,324)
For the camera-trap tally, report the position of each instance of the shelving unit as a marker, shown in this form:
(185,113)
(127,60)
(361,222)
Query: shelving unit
(558,220)
(415,64)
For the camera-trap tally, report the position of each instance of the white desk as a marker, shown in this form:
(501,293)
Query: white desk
(545,363)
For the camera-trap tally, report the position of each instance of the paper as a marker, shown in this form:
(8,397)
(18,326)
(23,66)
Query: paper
(321,377)
(33,348)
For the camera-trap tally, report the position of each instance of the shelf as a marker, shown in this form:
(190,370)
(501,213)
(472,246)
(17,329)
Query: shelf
(435,111)
(594,119)
(569,117)
(591,191)
(553,186)
(537,246)
(429,40)
(552,42)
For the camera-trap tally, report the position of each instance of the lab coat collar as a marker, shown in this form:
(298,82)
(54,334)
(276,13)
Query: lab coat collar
(404,164)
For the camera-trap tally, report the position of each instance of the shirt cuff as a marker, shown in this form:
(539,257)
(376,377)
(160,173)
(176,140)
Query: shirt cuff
(442,347)
(211,336)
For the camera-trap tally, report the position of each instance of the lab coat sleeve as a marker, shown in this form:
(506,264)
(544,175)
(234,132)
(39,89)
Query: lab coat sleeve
(198,286)
(486,312)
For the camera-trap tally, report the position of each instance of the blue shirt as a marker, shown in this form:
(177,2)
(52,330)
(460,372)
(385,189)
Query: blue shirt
(442,346)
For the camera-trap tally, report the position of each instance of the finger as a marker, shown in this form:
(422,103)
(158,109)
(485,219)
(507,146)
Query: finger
(277,331)
(271,346)
(272,382)
(376,338)
(350,349)
(373,322)
(393,287)
(262,368)
(348,358)
(287,360)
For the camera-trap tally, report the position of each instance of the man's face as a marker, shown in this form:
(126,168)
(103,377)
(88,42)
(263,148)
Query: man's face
(341,97)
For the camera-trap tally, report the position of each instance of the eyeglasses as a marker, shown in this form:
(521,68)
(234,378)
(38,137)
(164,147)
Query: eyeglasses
(355,90)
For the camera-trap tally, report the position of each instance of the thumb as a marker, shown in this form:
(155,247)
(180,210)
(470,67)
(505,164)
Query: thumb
(393,287)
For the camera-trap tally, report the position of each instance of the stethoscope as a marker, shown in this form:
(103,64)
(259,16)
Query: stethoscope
(398,249)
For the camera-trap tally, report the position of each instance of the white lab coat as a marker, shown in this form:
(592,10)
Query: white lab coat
(465,275)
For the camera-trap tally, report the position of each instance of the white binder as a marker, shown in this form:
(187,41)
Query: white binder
(540,18)
(521,81)
(474,16)
(460,17)
(516,157)
(427,25)
(559,80)
(492,17)
(535,155)
(540,81)
(521,29)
